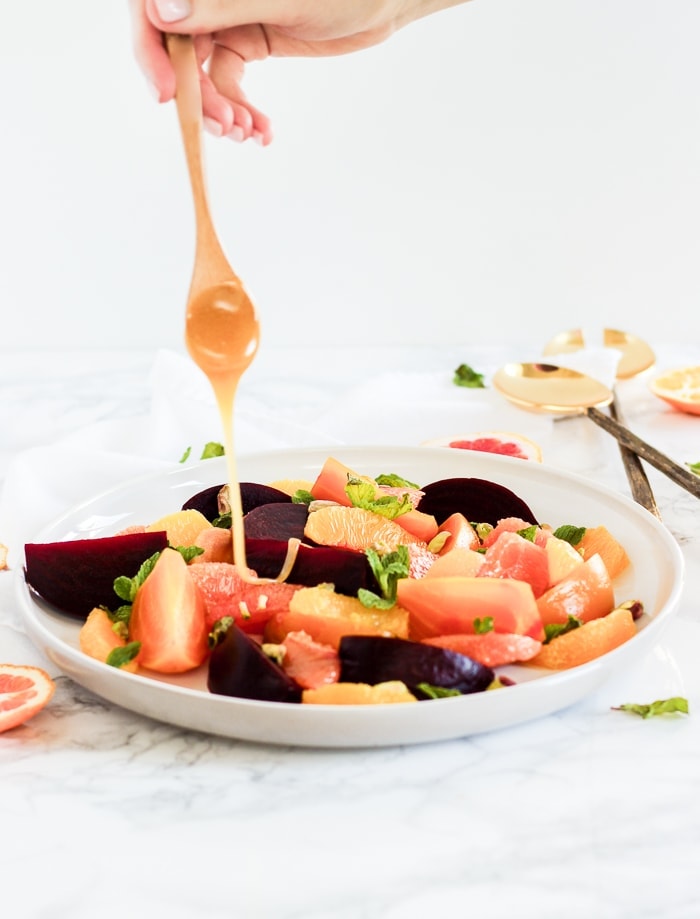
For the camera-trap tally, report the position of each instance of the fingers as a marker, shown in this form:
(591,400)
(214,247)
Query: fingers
(150,54)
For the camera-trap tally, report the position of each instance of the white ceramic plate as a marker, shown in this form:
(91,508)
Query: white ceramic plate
(555,497)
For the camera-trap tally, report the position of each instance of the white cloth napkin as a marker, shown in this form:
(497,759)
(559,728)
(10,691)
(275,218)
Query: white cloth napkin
(296,409)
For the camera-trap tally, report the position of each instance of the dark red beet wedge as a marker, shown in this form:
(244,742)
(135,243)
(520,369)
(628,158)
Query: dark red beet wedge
(276,521)
(252,495)
(479,500)
(375,659)
(77,575)
(348,571)
(238,667)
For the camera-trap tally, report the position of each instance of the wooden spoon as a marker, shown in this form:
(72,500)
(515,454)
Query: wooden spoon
(222,329)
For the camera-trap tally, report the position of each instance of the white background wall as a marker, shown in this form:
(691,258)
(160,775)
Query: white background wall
(506,169)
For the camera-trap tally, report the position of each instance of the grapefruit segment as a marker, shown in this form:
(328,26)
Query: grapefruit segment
(492,649)
(504,443)
(586,593)
(393,691)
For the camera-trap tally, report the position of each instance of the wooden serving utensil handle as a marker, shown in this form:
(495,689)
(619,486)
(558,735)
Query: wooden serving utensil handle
(677,473)
(211,259)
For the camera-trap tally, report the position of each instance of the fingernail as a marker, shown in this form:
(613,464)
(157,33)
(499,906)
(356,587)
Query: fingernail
(173,10)
(236,134)
(213,127)
(258,138)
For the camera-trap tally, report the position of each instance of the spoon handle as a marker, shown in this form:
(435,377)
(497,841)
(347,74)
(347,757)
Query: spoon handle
(677,473)
(188,100)
(636,474)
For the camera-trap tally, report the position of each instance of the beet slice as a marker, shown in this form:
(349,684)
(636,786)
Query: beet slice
(77,575)
(238,667)
(253,495)
(479,500)
(376,659)
(276,521)
(347,570)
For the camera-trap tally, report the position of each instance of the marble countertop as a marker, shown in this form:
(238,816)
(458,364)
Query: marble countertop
(582,813)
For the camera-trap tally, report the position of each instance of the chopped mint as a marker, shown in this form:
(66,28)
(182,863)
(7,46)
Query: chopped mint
(302,496)
(660,707)
(119,657)
(555,629)
(571,534)
(437,692)
(189,552)
(125,588)
(388,569)
(528,533)
(212,449)
(362,493)
(467,376)
(395,481)
(186,455)
(223,522)
(482,626)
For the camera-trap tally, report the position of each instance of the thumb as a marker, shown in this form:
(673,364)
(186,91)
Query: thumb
(199,16)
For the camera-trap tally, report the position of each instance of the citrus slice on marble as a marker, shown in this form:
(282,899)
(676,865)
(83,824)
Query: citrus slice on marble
(502,442)
(24,691)
(679,388)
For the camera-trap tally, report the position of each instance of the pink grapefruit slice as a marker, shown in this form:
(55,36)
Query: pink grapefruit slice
(505,443)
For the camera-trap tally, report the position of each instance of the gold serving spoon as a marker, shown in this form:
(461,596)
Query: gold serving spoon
(561,391)
(636,356)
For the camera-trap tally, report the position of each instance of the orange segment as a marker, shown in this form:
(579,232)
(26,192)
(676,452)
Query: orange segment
(390,692)
(24,691)
(98,639)
(679,388)
(326,616)
(600,541)
(589,641)
(356,528)
(182,527)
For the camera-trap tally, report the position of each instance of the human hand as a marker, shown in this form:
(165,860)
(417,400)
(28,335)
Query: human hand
(231,33)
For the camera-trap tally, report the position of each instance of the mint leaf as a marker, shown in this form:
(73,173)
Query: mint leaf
(302,496)
(466,376)
(555,629)
(395,481)
(437,692)
(660,707)
(189,552)
(694,467)
(571,534)
(125,588)
(528,533)
(186,455)
(212,449)
(388,569)
(482,626)
(118,657)
(363,494)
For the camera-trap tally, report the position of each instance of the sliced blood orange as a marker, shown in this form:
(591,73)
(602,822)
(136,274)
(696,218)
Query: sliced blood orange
(679,388)
(24,691)
(502,442)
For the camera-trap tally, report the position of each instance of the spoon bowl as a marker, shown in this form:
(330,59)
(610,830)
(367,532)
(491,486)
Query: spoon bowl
(636,355)
(561,391)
